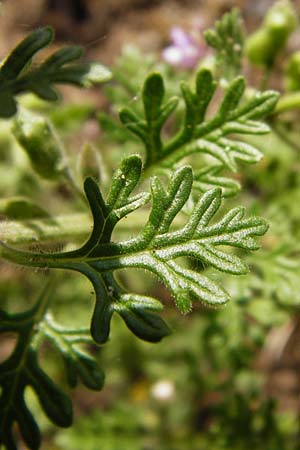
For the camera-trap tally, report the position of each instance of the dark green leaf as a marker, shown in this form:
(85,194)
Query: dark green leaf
(16,75)
(145,325)
(22,54)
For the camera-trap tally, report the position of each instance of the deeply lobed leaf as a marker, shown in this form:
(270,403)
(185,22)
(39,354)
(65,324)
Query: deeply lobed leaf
(16,75)
(22,370)
(156,248)
(227,38)
(197,133)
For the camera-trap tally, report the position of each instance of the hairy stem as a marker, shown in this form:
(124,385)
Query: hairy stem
(71,227)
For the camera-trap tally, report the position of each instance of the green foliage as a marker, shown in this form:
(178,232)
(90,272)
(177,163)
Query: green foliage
(161,212)
(263,46)
(155,248)
(197,135)
(41,144)
(292,78)
(22,369)
(227,38)
(16,75)
(209,358)
(18,208)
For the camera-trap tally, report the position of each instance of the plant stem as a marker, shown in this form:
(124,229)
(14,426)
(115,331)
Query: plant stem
(71,227)
(265,78)
(288,102)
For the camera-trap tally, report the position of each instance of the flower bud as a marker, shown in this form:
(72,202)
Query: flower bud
(265,43)
(19,208)
(292,77)
(261,48)
(281,20)
(89,163)
(43,147)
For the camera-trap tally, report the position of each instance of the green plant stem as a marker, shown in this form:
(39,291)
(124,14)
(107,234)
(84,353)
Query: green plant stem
(288,102)
(265,78)
(71,227)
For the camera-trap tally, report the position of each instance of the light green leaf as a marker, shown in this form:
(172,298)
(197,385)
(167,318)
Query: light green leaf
(198,134)
(156,248)
(227,38)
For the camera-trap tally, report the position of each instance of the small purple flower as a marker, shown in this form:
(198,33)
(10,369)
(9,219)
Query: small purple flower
(185,50)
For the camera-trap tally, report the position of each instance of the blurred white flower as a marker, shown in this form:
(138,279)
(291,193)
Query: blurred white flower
(163,390)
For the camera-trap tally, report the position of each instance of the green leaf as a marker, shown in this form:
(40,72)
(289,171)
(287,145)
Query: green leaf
(124,180)
(196,104)
(227,38)
(208,178)
(145,325)
(61,57)
(153,95)
(8,105)
(83,75)
(197,134)
(119,202)
(54,401)
(22,54)
(156,114)
(156,248)
(232,97)
(103,310)
(136,311)
(78,364)
(205,89)
(16,75)
(22,370)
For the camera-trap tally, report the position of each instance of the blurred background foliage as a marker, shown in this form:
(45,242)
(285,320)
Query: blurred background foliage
(226,378)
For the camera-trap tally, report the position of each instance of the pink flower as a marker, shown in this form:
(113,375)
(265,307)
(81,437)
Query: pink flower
(185,50)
